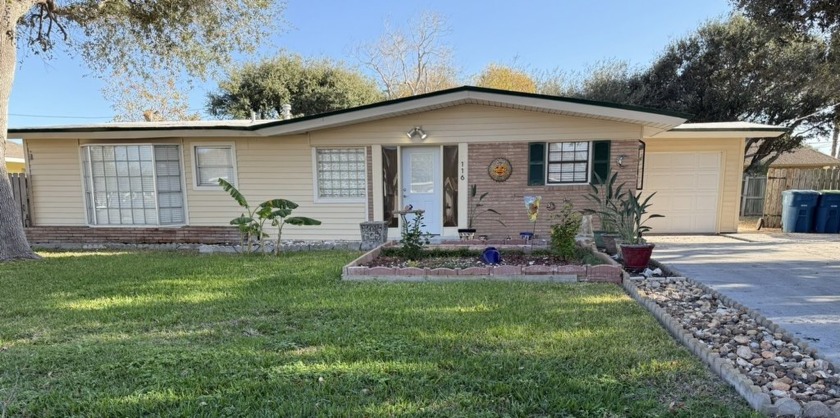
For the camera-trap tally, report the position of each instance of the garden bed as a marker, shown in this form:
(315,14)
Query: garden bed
(463,262)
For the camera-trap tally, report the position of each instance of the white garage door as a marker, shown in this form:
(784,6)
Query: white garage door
(687,186)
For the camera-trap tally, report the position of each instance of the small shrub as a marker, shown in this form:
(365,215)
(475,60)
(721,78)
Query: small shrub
(563,233)
(413,238)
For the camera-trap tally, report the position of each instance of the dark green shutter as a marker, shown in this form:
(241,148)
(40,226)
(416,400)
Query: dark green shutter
(600,161)
(536,164)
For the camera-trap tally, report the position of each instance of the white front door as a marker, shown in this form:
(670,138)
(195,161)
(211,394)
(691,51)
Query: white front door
(421,174)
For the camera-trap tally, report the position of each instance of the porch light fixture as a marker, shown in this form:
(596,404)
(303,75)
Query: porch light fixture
(620,160)
(416,132)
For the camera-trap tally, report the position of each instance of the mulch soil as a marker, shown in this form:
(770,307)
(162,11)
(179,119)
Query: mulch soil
(465,261)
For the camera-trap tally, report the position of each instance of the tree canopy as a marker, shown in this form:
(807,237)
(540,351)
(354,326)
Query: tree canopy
(411,62)
(734,70)
(506,78)
(138,38)
(310,86)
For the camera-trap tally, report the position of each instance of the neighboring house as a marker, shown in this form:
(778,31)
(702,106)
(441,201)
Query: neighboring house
(803,157)
(806,158)
(15,163)
(156,181)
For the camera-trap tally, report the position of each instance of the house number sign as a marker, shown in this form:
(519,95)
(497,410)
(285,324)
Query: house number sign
(500,169)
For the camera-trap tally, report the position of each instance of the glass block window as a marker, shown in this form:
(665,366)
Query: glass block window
(213,163)
(133,184)
(341,173)
(568,162)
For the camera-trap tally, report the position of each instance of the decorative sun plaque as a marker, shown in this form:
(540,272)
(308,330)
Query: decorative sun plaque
(500,169)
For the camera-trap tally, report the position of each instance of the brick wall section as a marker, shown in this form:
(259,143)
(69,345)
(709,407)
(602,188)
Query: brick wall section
(508,197)
(369,174)
(99,235)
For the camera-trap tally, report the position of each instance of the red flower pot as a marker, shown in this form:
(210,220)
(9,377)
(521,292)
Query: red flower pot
(636,256)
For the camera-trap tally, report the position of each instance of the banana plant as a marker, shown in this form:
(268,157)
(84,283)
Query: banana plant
(278,211)
(248,224)
(252,226)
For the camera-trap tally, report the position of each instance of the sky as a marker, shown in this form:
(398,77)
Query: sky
(567,35)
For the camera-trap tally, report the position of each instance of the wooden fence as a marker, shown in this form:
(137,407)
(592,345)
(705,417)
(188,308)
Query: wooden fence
(20,189)
(781,179)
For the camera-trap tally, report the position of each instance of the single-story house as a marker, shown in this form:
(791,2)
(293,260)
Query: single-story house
(156,181)
(15,163)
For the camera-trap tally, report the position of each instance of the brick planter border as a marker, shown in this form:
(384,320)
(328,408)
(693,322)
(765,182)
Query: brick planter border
(355,271)
(743,385)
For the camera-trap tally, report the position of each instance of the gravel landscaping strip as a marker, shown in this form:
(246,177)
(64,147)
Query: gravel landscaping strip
(775,372)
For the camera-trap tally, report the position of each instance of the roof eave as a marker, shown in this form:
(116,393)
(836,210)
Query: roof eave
(719,133)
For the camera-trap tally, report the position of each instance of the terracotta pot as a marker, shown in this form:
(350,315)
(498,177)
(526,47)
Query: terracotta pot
(636,256)
(609,243)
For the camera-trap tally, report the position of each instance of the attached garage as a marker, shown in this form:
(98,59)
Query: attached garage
(696,170)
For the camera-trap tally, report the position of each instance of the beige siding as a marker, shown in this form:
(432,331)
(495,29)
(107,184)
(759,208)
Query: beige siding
(56,185)
(273,168)
(732,152)
(476,123)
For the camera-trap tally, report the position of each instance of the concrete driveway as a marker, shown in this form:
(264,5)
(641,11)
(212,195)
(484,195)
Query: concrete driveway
(792,279)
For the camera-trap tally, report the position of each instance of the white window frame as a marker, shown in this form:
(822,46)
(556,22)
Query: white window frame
(316,196)
(588,164)
(194,161)
(180,146)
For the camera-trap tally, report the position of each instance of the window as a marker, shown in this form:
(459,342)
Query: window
(340,173)
(568,162)
(133,184)
(214,162)
(573,162)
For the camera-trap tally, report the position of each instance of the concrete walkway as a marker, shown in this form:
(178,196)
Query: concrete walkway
(792,279)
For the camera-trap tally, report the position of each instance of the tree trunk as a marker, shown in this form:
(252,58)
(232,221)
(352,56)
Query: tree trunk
(834,137)
(13,243)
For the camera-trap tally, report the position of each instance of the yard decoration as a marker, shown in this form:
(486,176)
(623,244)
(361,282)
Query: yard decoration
(532,204)
(476,210)
(251,226)
(606,196)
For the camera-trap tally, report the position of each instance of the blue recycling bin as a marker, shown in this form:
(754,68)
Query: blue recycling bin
(798,207)
(827,219)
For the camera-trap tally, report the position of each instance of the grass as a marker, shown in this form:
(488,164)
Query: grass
(167,334)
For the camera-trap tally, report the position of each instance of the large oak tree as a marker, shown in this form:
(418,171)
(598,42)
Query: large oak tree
(140,37)
(801,18)
(310,86)
(734,70)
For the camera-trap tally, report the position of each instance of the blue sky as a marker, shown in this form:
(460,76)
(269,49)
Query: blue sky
(571,35)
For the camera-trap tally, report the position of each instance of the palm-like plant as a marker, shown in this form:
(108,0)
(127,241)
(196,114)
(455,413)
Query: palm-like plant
(607,196)
(630,216)
(251,225)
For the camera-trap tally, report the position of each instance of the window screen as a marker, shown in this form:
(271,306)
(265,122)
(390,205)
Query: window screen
(213,163)
(568,162)
(133,184)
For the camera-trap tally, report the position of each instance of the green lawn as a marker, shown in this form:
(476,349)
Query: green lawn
(168,334)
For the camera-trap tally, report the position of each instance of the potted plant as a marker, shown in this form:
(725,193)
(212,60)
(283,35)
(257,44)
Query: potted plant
(476,210)
(607,197)
(630,217)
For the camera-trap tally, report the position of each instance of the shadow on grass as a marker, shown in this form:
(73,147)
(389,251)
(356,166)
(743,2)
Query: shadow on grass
(181,335)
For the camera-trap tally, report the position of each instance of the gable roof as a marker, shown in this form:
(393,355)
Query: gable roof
(655,120)
(14,152)
(804,157)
